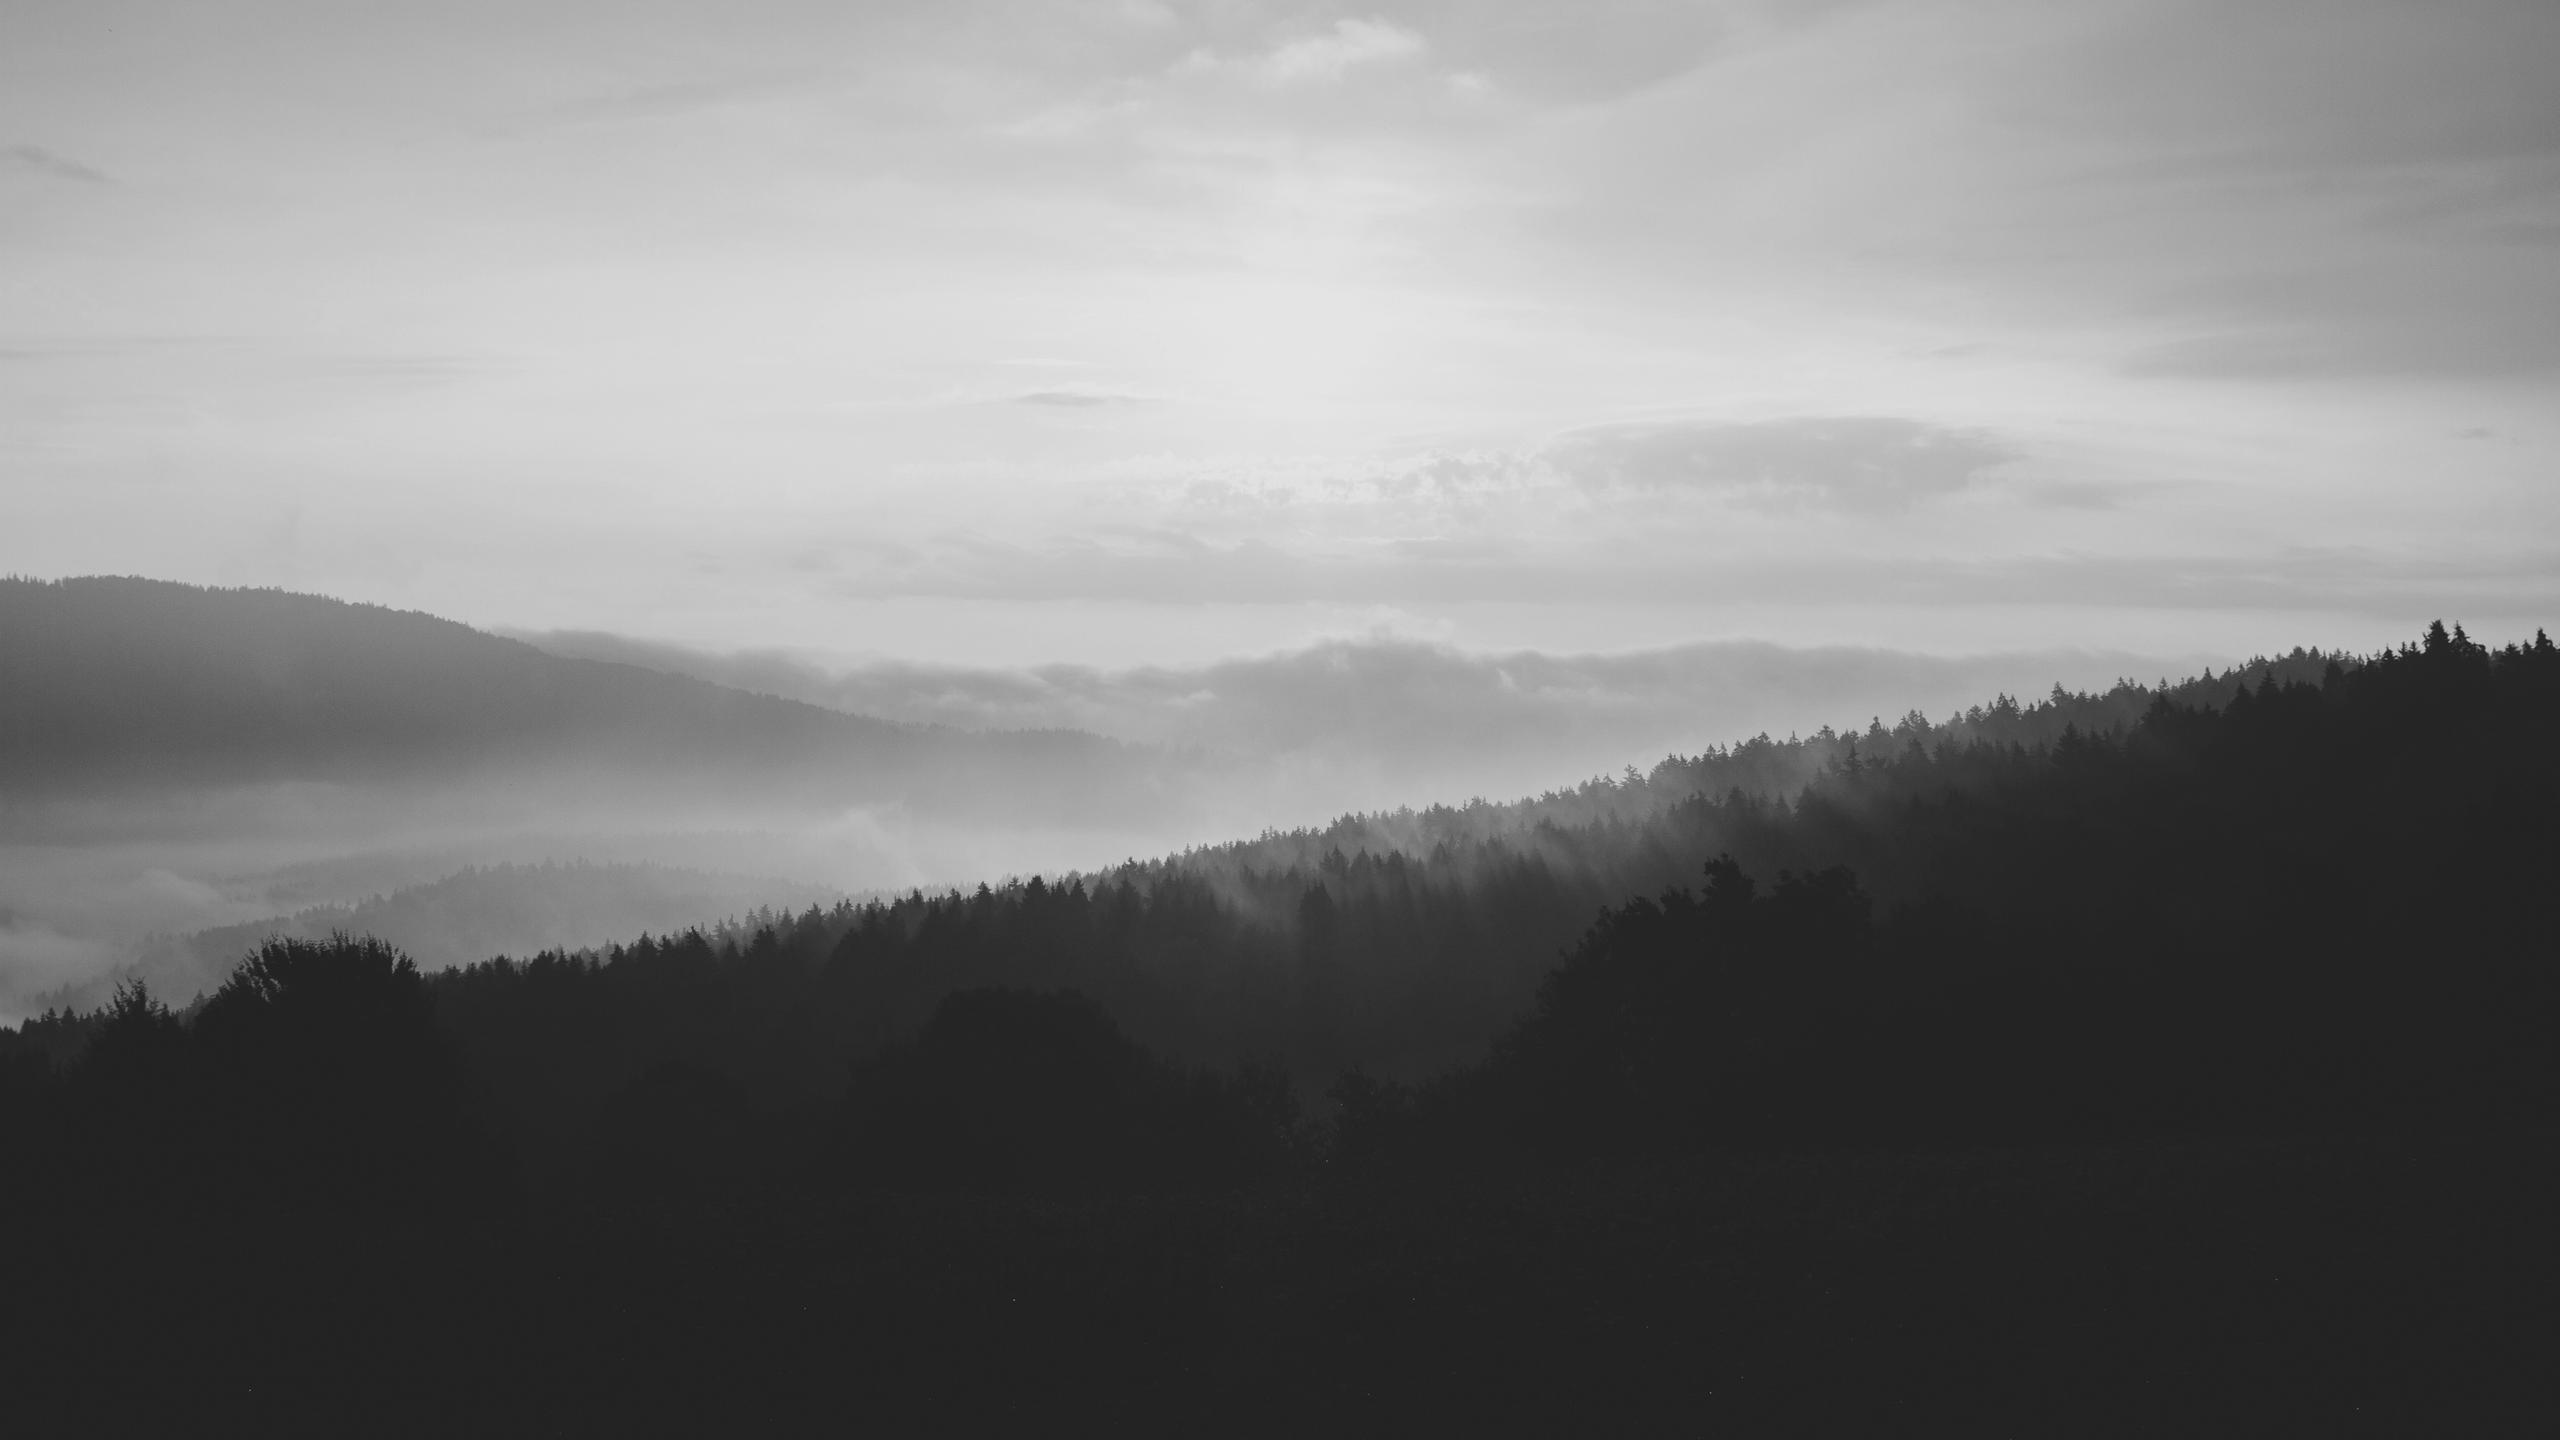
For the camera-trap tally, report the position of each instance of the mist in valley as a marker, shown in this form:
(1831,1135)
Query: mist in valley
(1299,736)
(327,757)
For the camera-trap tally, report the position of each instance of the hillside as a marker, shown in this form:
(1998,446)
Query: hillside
(2208,1055)
(1354,723)
(466,917)
(1405,944)
(109,683)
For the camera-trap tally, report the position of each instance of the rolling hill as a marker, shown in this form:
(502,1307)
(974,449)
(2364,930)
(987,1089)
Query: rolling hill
(116,683)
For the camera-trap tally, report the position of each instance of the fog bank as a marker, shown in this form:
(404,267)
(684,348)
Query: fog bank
(1356,724)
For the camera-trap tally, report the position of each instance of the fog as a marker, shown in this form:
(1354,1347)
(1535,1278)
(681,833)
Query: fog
(88,890)
(178,761)
(93,883)
(1300,735)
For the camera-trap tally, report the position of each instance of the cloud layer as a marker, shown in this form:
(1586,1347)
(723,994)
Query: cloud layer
(1858,463)
(35,159)
(978,329)
(1383,721)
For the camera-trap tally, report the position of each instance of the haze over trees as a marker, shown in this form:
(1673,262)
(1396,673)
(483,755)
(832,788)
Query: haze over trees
(178,761)
(1352,724)
(175,759)
(2135,985)
(469,915)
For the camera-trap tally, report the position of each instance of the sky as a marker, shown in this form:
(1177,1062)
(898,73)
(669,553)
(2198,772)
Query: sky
(1132,334)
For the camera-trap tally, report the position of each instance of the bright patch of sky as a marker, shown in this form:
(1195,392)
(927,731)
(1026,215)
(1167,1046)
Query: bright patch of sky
(1125,333)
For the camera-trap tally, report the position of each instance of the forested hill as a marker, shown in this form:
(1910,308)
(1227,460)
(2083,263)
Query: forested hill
(2231,1027)
(1763,768)
(2194,832)
(2373,849)
(109,680)
(1406,942)
(470,915)
(2191,832)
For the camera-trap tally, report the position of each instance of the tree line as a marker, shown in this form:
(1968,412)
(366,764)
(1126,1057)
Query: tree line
(2320,905)
(2197,1064)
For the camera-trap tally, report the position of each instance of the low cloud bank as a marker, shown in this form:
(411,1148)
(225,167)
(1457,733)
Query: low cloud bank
(1377,722)
(172,888)
(1847,463)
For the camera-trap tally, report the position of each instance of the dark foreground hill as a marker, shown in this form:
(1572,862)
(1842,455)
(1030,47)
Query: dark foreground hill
(2198,1073)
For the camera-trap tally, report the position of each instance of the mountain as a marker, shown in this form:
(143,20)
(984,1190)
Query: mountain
(111,683)
(174,759)
(1354,723)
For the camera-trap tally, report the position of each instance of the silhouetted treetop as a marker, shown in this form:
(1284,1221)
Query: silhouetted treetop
(2315,902)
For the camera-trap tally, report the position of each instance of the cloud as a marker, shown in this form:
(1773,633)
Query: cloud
(1323,58)
(2295,191)
(1326,57)
(1077,399)
(38,160)
(1845,463)
(36,958)
(1655,202)
(2465,337)
(2301,85)
(1386,719)
(2076,494)
(396,371)
(1597,51)
(1632,563)
(2533,233)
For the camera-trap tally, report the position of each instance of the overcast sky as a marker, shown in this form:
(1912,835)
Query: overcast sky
(1135,333)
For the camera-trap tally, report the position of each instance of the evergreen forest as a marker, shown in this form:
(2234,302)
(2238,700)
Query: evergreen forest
(2182,1056)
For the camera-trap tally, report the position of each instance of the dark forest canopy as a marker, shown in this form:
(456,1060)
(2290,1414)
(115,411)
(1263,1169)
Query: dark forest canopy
(1760,767)
(2217,1045)
(2215,876)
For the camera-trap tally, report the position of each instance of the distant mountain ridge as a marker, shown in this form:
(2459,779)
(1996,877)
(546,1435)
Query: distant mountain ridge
(1422,719)
(109,681)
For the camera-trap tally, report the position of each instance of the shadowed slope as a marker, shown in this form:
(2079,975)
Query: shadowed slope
(112,682)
